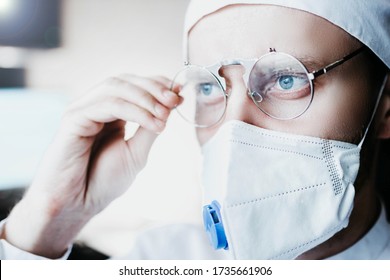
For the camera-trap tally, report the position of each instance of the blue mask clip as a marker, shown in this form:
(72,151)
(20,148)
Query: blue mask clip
(213,225)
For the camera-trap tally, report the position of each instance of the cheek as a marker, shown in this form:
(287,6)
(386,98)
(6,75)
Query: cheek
(342,111)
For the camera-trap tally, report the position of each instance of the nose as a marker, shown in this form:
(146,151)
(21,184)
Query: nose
(239,106)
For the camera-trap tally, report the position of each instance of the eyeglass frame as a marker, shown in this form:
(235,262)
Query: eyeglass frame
(250,63)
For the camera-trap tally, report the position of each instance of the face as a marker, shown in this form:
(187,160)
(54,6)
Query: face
(339,109)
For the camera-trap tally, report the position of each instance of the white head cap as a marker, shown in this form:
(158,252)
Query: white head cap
(366,20)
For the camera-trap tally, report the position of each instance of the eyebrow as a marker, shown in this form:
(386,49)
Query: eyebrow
(311,63)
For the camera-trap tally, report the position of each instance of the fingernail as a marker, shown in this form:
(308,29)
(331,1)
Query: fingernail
(181,99)
(168,93)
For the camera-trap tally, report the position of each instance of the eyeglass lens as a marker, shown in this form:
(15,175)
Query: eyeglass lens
(204,100)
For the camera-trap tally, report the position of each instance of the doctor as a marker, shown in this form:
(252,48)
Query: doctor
(289,100)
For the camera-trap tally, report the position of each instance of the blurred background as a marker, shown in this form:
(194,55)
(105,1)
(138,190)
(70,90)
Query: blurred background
(53,51)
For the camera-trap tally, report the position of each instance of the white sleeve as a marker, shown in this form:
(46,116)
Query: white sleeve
(10,252)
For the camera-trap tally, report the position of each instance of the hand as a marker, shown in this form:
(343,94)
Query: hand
(89,164)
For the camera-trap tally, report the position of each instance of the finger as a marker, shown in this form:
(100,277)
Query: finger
(120,89)
(119,109)
(140,144)
(88,121)
(163,80)
(159,87)
(175,88)
(141,91)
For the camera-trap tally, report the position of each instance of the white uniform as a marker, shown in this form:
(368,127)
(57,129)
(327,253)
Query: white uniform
(184,242)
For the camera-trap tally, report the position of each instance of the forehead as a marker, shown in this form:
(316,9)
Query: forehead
(248,31)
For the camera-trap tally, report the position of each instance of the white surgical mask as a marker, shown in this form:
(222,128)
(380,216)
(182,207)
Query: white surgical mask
(279,194)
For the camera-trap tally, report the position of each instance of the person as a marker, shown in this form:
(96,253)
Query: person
(290,102)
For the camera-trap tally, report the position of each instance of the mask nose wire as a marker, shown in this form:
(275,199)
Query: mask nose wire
(375,109)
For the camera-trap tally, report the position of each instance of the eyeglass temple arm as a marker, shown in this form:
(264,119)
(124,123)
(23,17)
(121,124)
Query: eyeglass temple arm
(329,67)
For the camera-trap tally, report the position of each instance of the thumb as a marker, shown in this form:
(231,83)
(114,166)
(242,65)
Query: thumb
(140,145)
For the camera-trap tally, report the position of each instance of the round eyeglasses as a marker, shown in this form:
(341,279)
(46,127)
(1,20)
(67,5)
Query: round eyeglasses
(278,84)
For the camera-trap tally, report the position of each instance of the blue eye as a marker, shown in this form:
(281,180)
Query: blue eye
(291,83)
(209,93)
(206,88)
(286,82)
